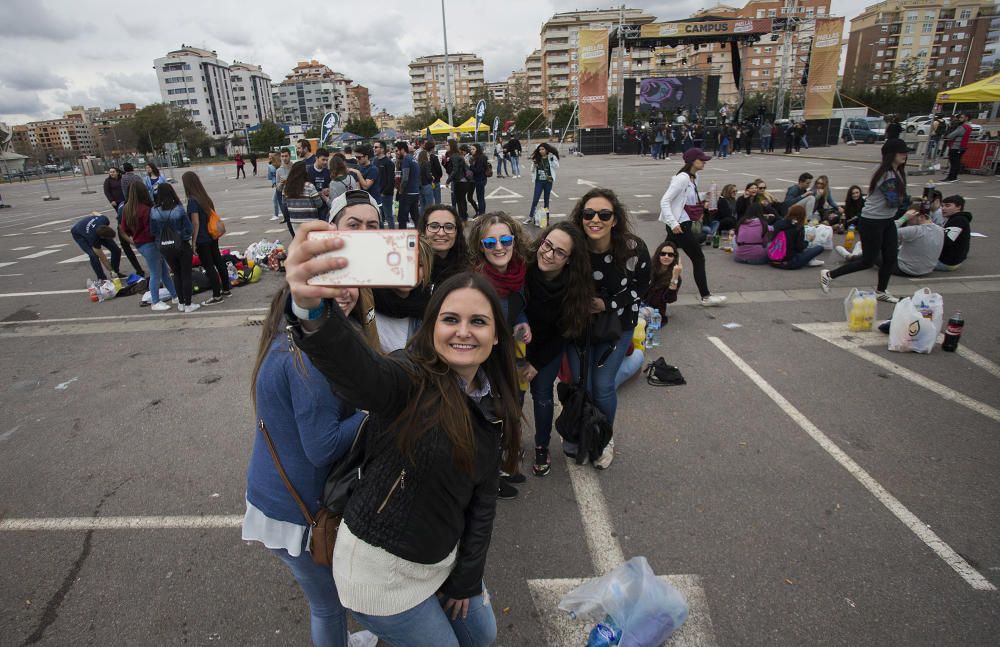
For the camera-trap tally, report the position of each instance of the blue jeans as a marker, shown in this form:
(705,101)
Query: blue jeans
(426,197)
(501,164)
(276,203)
(158,271)
(724,148)
(95,262)
(631,364)
(601,379)
(426,625)
(540,187)
(386,208)
(543,401)
(481,196)
(802,258)
(327,618)
(437,192)
(515,164)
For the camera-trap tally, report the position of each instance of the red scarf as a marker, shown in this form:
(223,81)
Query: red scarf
(510,281)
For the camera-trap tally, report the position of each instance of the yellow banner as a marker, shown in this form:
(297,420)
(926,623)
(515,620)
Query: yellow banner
(691,28)
(592,61)
(824,63)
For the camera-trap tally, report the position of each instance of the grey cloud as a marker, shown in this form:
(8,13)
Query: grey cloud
(18,76)
(30,19)
(20,103)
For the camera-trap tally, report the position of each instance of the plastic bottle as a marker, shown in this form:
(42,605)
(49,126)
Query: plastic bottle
(605,634)
(730,243)
(716,239)
(233,274)
(850,239)
(653,329)
(713,196)
(953,332)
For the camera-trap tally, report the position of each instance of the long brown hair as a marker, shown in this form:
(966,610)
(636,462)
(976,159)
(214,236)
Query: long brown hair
(194,189)
(580,281)
(440,403)
(478,231)
(621,233)
(296,181)
(274,324)
(137,194)
(662,274)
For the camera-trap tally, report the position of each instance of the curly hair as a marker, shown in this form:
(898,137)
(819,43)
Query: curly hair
(621,232)
(478,231)
(580,281)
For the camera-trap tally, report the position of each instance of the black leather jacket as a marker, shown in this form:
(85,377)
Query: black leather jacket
(417,508)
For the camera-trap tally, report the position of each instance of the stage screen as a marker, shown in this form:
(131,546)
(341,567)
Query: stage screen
(670,93)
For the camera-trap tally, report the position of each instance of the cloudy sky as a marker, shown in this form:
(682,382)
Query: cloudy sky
(59,53)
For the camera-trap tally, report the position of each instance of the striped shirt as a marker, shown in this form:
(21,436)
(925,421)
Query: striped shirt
(305,208)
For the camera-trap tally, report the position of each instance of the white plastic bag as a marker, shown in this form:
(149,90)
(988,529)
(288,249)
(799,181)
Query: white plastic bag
(823,235)
(106,289)
(916,322)
(646,609)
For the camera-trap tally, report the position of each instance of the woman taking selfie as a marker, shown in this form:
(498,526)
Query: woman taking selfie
(443,230)
(621,269)
(666,278)
(560,289)
(411,552)
(311,428)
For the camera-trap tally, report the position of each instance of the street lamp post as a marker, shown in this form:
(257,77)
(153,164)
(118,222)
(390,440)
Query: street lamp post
(447,68)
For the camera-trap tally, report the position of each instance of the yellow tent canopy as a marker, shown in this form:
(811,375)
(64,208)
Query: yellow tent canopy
(440,127)
(470,126)
(987,89)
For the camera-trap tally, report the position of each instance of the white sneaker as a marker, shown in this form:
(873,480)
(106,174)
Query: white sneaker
(160,306)
(712,300)
(529,221)
(816,263)
(176,301)
(824,281)
(604,460)
(191,308)
(842,251)
(274,218)
(885,297)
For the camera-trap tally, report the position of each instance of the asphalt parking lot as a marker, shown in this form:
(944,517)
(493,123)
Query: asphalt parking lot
(805,487)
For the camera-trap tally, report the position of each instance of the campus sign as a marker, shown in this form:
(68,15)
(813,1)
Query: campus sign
(682,29)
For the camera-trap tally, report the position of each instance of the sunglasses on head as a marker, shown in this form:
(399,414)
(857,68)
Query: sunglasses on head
(604,214)
(491,242)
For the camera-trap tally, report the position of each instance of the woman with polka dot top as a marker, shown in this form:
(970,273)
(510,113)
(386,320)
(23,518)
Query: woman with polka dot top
(621,269)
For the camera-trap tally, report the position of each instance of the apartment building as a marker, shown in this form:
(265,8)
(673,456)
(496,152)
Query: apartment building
(359,104)
(309,91)
(428,81)
(943,43)
(252,101)
(517,87)
(198,80)
(73,133)
(535,79)
(497,90)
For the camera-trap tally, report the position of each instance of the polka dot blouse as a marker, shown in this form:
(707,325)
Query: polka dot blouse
(622,288)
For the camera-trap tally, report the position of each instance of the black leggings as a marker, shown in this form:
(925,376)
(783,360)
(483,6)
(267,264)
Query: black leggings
(214,266)
(878,237)
(689,243)
(179,261)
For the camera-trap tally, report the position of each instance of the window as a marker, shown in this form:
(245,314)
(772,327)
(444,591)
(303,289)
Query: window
(768,50)
(965,15)
(753,84)
(760,13)
(771,13)
(929,15)
(925,40)
(956,48)
(927,28)
(911,16)
(944,38)
(908,29)
(767,61)
(756,50)
(755,61)
(952,72)
(953,60)
(958,35)
(754,73)
(922,53)
(880,52)
(878,66)
(767,72)
(820,11)
(907,40)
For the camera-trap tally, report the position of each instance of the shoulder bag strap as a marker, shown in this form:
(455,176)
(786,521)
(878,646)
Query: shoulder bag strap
(284,477)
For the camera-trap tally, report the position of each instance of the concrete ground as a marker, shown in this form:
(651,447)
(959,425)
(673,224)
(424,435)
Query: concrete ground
(806,486)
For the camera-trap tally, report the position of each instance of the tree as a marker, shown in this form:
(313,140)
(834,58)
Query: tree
(157,124)
(365,126)
(269,136)
(529,118)
(562,115)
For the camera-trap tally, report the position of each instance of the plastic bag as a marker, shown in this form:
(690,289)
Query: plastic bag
(647,609)
(823,235)
(916,322)
(106,289)
(859,310)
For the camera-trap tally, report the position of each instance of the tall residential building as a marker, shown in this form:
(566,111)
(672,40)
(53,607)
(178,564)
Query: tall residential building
(427,81)
(939,42)
(359,104)
(310,90)
(198,80)
(71,133)
(108,140)
(252,101)
(517,88)
(497,90)
(536,79)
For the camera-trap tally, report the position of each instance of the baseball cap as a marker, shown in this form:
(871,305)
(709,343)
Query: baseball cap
(349,198)
(693,154)
(893,146)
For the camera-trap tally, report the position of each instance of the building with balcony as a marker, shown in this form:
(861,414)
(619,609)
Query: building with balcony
(252,100)
(497,90)
(196,79)
(535,79)
(309,91)
(428,81)
(941,43)
(359,104)
(54,136)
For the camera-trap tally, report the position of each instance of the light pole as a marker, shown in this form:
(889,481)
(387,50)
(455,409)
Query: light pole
(447,68)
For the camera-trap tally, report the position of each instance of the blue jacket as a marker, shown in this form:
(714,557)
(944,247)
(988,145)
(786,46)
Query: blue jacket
(410,176)
(178,219)
(311,429)
(151,185)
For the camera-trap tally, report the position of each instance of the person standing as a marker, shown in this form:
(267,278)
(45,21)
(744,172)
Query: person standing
(281,177)
(172,230)
(957,141)
(459,177)
(301,199)
(679,207)
(303,152)
(386,182)
(253,164)
(91,233)
(426,180)
(409,187)
(128,178)
(544,167)
(116,198)
(765,136)
(367,173)
(499,158)
(136,225)
(876,226)
(894,130)
(239,166)
(153,180)
(514,153)
(621,270)
(273,163)
(437,171)
(479,177)
(199,208)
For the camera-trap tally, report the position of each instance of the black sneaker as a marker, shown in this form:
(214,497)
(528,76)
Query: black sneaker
(513,478)
(227,293)
(506,490)
(543,462)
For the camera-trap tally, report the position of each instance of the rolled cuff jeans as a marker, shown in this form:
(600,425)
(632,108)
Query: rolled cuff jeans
(158,271)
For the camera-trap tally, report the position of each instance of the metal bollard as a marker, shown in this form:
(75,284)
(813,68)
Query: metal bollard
(48,192)
(87,190)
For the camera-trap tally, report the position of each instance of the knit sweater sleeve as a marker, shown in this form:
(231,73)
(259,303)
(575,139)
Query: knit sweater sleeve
(326,425)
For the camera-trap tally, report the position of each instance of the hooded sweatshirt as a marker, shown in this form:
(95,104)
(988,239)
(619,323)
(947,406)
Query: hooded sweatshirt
(957,234)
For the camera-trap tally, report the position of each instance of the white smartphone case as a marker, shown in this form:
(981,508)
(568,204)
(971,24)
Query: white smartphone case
(375,259)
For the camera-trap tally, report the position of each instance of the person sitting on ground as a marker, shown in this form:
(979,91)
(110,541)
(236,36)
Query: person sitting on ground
(801,194)
(767,201)
(920,243)
(798,253)
(749,196)
(751,237)
(958,234)
(825,209)
(93,232)
(666,278)
(853,204)
(725,214)
(934,208)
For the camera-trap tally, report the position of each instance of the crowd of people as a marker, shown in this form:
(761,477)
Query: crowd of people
(660,141)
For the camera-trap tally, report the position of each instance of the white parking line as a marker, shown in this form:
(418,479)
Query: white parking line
(124,523)
(236,233)
(8,263)
(935,279)
(973,577)
(75,259)
(44,252)
(22,248)
(41,294)
(56,245)
(249,217)
(276,231)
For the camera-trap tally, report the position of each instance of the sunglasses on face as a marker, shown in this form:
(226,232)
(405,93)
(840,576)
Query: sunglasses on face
(435,227)
(667,254)
(491,242)
(604,214)
(548,248)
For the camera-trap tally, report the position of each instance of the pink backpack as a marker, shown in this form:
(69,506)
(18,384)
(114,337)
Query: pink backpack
(778,249)
(751,233)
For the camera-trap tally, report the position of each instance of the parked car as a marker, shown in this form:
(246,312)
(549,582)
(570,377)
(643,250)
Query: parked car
(924,128)
(877,124)
(911,124)
(858,130)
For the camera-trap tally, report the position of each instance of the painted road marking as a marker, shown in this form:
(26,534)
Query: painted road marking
(249,217)
(236,233)
(75,259)
(502,192)
(9,275)
(8,263)
(22,248)
(509,201)
(56,245)
(49,224)
(592,185)
(203,313)
(643,195)
(957,278)
(852,342)
(640,211)
(9,235)
(39,294)
(124,523)
(973,577)
(276,231)
(44,252)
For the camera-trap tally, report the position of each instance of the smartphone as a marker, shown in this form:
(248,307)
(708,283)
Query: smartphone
(375,259)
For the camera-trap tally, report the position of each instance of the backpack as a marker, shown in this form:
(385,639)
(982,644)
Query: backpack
(169,239)
(777,251)
(489,169)
(754,226)
(216,227)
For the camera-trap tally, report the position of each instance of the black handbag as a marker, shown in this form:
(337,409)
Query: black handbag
(581,423)
(605,327)
(659,373)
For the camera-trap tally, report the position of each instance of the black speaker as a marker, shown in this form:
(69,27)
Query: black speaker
(628,98)
(712,93)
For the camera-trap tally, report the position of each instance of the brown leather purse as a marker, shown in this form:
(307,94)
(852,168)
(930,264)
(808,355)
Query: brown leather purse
(324,524)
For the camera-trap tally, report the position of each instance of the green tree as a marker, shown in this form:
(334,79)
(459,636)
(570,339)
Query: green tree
(269,136)
(529,118)
(562,115)
(157,124)
(364,126)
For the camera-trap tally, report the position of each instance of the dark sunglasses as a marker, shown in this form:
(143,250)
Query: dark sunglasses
(670,254)
(491,242)
(604,214)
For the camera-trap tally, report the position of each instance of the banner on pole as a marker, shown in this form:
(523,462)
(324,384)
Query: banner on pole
(330,122)
(592,54)
(496,128)
(824,62)
(480,113)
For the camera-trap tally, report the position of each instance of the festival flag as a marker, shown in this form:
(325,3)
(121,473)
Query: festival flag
(592,54)
(824,62)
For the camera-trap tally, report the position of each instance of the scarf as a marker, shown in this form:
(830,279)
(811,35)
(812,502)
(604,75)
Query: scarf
(506,283)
